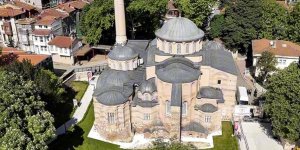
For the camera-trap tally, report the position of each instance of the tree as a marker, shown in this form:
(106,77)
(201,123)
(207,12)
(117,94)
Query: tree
(145,16)
(216,26)
(242,21)
(266,64)
(294,24)
(282,102)
(24,68)
(273,20)
(97,18)
(1,48)
(173,145)
(24,123)
(196,10)
(7,59)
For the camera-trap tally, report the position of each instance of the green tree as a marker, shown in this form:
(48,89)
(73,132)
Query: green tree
(266,64)
(7,59)
(282,102)
(145,16)
(24,68)
(24,123)
(273,20)
(242,21)
(196,10)
(294,24)
(97,18)
(216,26)
(173,145)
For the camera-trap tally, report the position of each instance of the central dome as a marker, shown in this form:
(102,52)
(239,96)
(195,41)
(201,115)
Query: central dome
(122,53)
(179,30)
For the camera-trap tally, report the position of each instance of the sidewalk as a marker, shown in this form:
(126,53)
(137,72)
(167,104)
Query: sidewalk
(80,111)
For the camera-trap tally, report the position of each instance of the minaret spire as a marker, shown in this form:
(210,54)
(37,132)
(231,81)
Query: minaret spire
(121,37)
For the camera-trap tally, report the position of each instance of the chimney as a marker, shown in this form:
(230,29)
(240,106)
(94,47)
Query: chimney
(121,38)
(273,44)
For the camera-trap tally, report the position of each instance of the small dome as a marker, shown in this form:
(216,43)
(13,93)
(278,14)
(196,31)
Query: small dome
(148,86)
(209,108)
(111,78)
(122,53)
(111,98)
(179,30)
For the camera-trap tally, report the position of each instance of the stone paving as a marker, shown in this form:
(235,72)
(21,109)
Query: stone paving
(259,137)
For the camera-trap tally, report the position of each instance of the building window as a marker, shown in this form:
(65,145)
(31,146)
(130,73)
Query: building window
(184,108)
(36,38)
(41,39)
(170,47)
(168,107)
(40,26)
(187,47)
(207,119)
(65,51)
(45,27)
(60,50)
(146,116)
(111,118)
(44,48)
(178,48)
(219,81)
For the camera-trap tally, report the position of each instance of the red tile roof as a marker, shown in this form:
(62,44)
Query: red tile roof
(66,7)
(46,20)
(33,58)
(41,32)
(282,48)
(7,50)
(23,5)
(10,12)
(55,13)
(78,4)
(62,41)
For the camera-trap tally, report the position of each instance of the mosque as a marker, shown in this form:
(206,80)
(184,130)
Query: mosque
(174,86)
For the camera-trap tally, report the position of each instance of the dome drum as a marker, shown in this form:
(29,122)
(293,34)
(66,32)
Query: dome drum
(179,48)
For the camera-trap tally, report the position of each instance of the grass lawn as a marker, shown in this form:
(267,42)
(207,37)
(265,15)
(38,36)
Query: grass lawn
(79,87)
(77,138)
(225,141)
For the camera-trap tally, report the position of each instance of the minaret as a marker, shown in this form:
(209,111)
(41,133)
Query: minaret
(121,38)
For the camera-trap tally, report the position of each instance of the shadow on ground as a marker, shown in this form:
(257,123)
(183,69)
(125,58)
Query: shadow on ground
(63,111)
(268,130)
(69,141)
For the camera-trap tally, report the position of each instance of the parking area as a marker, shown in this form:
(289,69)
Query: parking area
(259,136)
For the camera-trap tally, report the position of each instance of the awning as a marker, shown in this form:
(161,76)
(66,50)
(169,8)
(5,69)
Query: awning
(83,50)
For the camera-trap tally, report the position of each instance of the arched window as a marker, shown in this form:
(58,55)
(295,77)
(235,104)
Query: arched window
(187,48)
(120,66)
(184,108)
(168,107)
(111,118)
(178,48)
(194,46)
(147,96)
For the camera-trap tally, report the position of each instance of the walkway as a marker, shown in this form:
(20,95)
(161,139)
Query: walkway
(80,111)
(259,137)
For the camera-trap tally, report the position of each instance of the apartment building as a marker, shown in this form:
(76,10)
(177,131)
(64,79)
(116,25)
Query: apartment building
(63,48)
(44,30)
